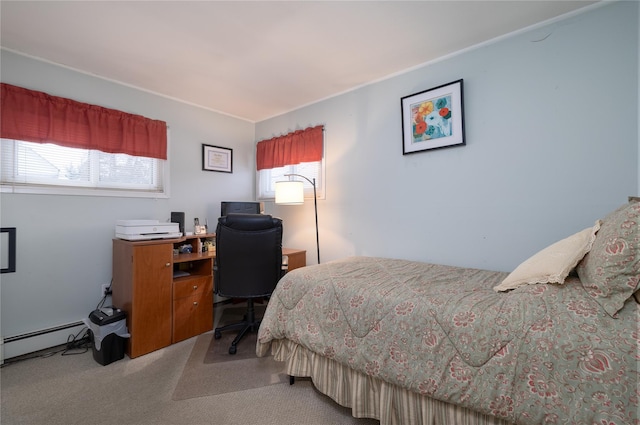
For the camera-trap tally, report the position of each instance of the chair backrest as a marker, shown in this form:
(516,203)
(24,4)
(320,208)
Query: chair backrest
(248,255)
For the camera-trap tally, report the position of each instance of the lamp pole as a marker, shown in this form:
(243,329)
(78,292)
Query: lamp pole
(315,206)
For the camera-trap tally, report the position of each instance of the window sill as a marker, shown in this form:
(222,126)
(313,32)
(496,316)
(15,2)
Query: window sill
(74,191)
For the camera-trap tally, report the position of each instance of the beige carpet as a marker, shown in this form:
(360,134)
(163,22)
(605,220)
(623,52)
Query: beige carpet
(211,370)
(218,350)
(75,390)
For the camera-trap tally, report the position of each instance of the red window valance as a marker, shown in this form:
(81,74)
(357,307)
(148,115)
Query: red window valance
(35,116)
(290,149)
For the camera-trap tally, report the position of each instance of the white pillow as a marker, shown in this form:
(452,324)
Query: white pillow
(552,264)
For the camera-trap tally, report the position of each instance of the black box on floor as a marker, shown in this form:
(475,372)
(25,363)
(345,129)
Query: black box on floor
(108,331)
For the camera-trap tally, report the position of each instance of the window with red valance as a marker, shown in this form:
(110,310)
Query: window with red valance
(298,152)
(35,116)
(290,149)
(54,145)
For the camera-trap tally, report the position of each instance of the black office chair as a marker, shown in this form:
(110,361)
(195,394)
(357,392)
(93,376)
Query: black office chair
(248,264)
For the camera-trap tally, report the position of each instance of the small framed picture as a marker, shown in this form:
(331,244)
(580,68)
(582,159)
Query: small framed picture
(8,249)
(433,118)
(216,158)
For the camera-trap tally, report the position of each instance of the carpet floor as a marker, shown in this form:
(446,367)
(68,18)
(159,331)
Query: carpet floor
(218,350)
(211,370)
(54,389)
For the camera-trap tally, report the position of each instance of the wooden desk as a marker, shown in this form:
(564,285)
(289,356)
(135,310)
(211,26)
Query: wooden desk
(163,308)
(297,257)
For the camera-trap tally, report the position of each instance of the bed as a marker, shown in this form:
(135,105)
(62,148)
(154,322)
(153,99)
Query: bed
(554,342)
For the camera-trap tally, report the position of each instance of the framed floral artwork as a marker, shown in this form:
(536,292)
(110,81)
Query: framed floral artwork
(433,118)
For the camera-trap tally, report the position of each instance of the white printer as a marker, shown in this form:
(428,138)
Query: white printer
(139,230)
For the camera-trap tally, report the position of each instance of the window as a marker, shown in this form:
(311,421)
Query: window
(267,179)
(298,152)
(28,167)
(54,145)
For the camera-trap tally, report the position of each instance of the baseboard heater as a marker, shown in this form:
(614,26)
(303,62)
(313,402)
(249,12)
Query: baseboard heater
(43,339)
(42,332)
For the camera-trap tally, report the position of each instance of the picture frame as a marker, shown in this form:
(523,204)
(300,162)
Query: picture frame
(217,158)
(8,250)
(433,118)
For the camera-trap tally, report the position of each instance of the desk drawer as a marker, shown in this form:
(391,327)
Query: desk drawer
(192,315)
(195,285)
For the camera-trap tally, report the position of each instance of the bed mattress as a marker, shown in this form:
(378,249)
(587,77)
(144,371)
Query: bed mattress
(538,354)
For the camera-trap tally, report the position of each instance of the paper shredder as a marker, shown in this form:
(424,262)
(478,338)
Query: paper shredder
(108,330)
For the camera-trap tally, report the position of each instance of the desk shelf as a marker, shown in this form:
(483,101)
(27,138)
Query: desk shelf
(194,256)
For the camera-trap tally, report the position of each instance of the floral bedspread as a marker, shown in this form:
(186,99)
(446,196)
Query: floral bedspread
(538,354)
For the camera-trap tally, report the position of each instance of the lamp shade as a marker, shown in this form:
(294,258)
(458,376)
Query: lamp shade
(289,193)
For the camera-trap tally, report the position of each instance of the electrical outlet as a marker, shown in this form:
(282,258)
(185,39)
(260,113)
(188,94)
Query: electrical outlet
(103,289)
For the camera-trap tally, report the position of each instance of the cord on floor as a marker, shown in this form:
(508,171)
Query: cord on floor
(76,344)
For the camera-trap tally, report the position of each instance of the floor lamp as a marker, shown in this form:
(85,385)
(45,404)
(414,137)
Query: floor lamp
(292,193)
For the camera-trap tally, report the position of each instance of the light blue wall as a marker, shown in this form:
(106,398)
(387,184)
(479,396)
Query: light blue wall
(551,119)
(64,242)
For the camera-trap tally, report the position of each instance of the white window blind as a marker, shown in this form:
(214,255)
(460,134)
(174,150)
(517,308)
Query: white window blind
(48,168)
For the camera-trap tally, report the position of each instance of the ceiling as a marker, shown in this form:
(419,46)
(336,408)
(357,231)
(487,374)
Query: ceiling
(257,59)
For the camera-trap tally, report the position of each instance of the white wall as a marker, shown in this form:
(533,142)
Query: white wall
(551,119)
(64,242)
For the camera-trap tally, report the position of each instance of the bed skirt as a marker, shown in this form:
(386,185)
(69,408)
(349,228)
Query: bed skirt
(369,397)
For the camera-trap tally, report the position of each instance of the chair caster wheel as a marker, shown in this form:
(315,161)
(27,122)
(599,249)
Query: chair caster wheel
(232,349)
(217,334)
